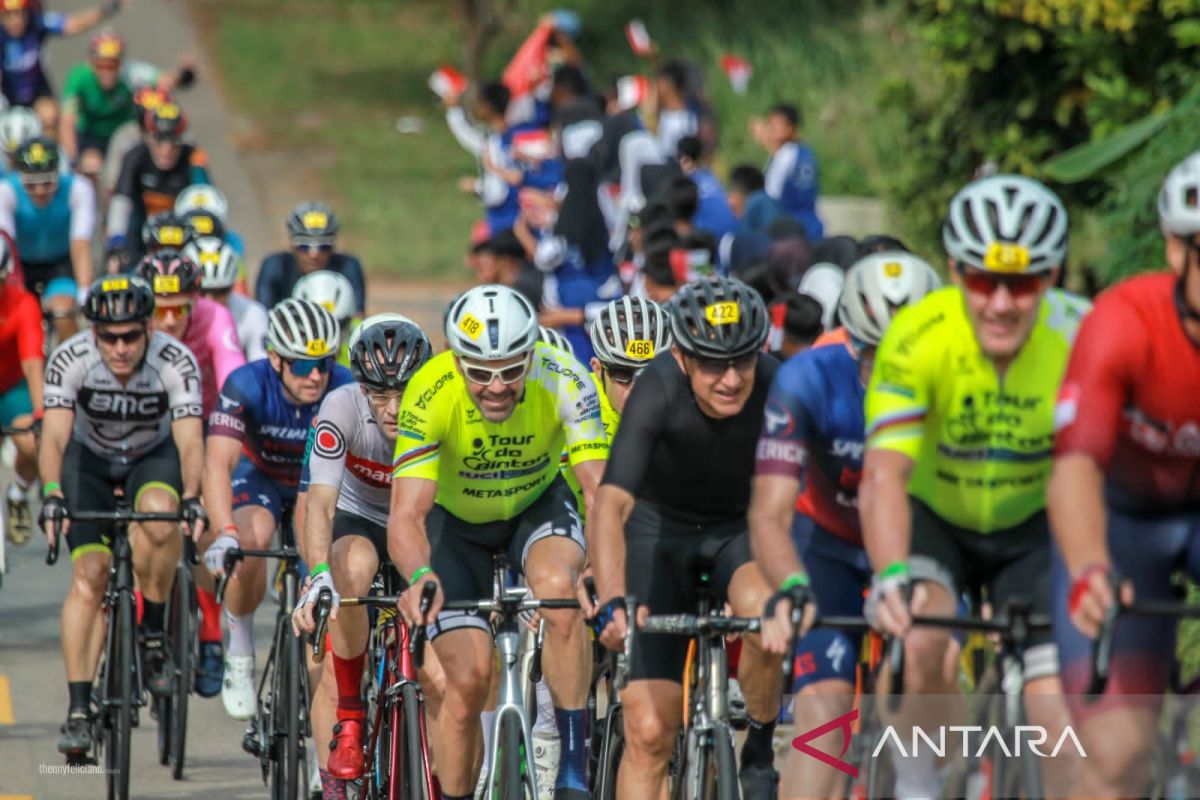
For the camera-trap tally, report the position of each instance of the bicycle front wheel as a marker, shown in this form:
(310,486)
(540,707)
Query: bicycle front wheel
(294,742)
(418,777)
(120,699)
(183,648)
(514,769)
(722,783)
(604,784)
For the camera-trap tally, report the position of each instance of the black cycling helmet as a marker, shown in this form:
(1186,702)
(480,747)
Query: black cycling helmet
(199,223)
(386,350)
(169,272)
(164,229)
(36,156)
(311,220)
(718,317)
(119,298)
(166,121)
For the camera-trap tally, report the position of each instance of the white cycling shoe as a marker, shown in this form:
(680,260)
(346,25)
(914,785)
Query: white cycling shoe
(237,689)
(546,752)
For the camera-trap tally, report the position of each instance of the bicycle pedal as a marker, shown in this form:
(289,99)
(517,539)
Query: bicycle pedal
(81,759)
(251,744)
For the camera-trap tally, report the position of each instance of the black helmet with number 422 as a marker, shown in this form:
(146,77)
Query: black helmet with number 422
(718,317)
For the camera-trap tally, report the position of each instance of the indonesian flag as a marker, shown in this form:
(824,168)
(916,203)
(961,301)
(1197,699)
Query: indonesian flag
(687,265)
(530,66)
(738,70)
(639,38)
(534,145)
(447,82)
(632,91)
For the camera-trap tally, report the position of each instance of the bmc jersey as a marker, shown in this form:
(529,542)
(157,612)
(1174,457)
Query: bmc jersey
(123,422)
(1130,398)
(253,409)
(490,471)
(22,337)
(23,78)
(982,445)
(212,338)
(44,235)
(347,448)
(813,431)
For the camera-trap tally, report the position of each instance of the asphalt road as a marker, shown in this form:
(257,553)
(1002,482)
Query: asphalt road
(32,682)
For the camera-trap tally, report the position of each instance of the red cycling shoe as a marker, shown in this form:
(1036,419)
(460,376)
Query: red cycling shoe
(346,756)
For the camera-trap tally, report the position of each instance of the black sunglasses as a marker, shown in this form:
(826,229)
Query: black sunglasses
(622,375)
(129,337)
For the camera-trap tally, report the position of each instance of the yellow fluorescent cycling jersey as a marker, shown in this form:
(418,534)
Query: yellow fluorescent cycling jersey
(610,419)
(488,471)
(982,444)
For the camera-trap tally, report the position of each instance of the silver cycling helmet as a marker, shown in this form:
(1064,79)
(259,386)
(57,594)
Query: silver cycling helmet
(202,197)
(629,332)
(301,329)
(555,339)
(491,323)
(330,290)
(1179,198)
(17,126)
(1006,223)
(877,286)
(219,263)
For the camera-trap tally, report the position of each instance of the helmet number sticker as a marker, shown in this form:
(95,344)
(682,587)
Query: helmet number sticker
(640,349)
(202,224)
(317,347)
(315,219)
(724,313)
(168,111)
(170,234)
(210,258)
(166,284)
(327,305)
(470,326)
(893,269)
(1005,257)
(114,284)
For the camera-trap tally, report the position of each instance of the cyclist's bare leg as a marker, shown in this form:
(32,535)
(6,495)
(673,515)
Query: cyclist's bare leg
(466,657)
(62,309)
(81,615)
(1119,744)
(759,673)
(156,545)
(817,703)
(256,530)
(26,444)
(652,710)
(927,667)
(1046,708)
(551,569)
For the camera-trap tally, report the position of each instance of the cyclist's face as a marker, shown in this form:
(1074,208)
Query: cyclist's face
(1003,314)
(121,346)
(312,258)
(485,267)
(495,399)
(15,22)
(384,408)
(305,388)
(165,152)
(172,314)
(106,73)
(721,388)
(40,188)
(615,391)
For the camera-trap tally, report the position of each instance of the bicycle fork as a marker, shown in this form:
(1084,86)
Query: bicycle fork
(509,703)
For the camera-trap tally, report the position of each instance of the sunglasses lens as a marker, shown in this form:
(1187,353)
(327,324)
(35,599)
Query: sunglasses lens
(512,374)
(161,312)
(478,375)
(303,367)
(622,375)
(986,283)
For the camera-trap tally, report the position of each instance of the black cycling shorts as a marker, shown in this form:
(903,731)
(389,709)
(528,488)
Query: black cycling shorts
(346,523)
(664,561)
(39,274)
(462,552)
(1009,563)
(88,481)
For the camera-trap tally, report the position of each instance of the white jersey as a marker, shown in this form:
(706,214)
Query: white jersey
(123,422)
(250,316)
(347,449)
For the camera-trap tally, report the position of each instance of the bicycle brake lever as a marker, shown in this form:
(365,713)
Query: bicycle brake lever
(416,644)
(52,550)
(324,600)
(1103,646)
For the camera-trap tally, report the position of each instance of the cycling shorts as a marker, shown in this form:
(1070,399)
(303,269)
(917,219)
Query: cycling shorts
(252,488)
(1005,564)
(840,573)
(86,140)
(346,523)
(462,552)
(88,482)
(1148,551)
(664,558)
(15,402)
(48,279)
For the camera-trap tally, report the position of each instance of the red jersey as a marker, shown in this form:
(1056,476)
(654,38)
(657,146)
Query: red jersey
(1130,397)
(21,334)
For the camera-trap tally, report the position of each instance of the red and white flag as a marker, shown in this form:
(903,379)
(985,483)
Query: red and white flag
(632,91)
(447,82)
(639,38)
(738,71)
(534,145)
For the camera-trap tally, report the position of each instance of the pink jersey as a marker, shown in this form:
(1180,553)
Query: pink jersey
(212,338)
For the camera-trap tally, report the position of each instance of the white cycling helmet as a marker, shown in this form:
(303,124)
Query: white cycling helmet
(302,329)
(491,323)
(823,282)
(328,289)
(630,331)
(877,286)
(555,339)
(219,263)
(17,126)
(202,197)
(1179,198)
(1006,223)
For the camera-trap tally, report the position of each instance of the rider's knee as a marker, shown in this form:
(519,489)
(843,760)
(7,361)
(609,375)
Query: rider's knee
(925,657)
(89,578)
(353,565)
(648,733)
(1118,759)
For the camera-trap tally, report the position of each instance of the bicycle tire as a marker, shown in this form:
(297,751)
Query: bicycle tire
(416,753)
(393,748)
(612,747)
(276,739)
(121,699)
(509,780)
(183,638)
(293,742)
(722,764)
(162,713)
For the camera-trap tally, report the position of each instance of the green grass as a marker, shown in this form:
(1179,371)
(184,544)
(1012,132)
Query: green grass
(348,69)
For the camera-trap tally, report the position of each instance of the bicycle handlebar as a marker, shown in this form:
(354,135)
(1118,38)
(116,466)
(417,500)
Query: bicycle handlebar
(1102,648)
(120,515)
(416,644)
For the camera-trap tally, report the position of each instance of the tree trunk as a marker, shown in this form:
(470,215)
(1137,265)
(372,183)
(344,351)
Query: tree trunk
(481,23)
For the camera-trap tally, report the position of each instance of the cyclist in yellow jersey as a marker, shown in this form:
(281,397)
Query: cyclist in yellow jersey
(960,431)
(626,334)
(476,473)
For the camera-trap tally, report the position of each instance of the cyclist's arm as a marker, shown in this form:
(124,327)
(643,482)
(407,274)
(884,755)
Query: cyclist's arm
(83,226)
(82,21)
(606,539)
(56,434)
(31,344)
(1075,504)
(220,460)
(883,507)
(772,507)
(408,541)
(188,434)
(321,477)
(578,402)
(8,209)
(35,370)
(320,504)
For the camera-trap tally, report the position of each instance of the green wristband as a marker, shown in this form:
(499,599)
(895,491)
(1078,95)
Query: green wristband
(51,487)
(794,580)
(318,569)
(897,569)
(421,572)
